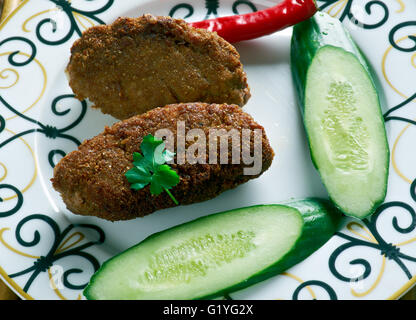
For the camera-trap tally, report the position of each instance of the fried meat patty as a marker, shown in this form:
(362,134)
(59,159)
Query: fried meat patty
(91,179)
(136,64)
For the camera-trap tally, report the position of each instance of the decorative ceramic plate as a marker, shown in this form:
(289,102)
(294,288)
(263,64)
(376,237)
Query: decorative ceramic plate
(49,253)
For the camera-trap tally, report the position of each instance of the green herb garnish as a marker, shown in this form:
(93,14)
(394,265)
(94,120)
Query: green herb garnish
(151,168)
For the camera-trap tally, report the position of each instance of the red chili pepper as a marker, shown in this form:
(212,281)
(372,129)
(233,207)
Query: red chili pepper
(257,24)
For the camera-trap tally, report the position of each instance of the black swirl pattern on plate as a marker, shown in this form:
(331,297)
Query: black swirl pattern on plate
(14,62)
(388,117)
(45,262)
(389,250)
(243,3)
(11,56)
(18,204)
(411,49)
(347,12)
(212,7)
(412,37)
(49,131)
(70,10)
(329,290)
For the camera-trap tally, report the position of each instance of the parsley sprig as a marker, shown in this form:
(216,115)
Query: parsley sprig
(150,168)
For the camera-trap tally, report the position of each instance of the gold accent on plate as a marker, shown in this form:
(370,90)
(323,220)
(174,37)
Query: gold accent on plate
(369,236)
(13,249)
(406,287)
(402,6)
(79,16)
(62,247)
(383,66)
(34,16)
(69,242)
(393,155)
(56,290)
(2,76)
(35,165)
(45,80)
(11,283)
(4,173)
(6,7)
(5,292)
(374,285)
(406,242)
(8,11)
(343,4)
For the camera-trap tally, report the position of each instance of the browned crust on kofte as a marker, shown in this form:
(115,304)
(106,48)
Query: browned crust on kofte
(91,179)
(136,64)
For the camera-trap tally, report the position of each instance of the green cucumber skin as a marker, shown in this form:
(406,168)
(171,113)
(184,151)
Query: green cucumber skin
(321,220)
(307,39)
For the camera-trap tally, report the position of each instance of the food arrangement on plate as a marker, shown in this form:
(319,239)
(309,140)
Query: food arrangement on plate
(164,78)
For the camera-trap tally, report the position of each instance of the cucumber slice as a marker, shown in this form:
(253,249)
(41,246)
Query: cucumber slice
(342,115)
(216,254)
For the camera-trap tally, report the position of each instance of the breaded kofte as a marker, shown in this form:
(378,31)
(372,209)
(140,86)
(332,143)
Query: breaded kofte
(92,181)
(135,64)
